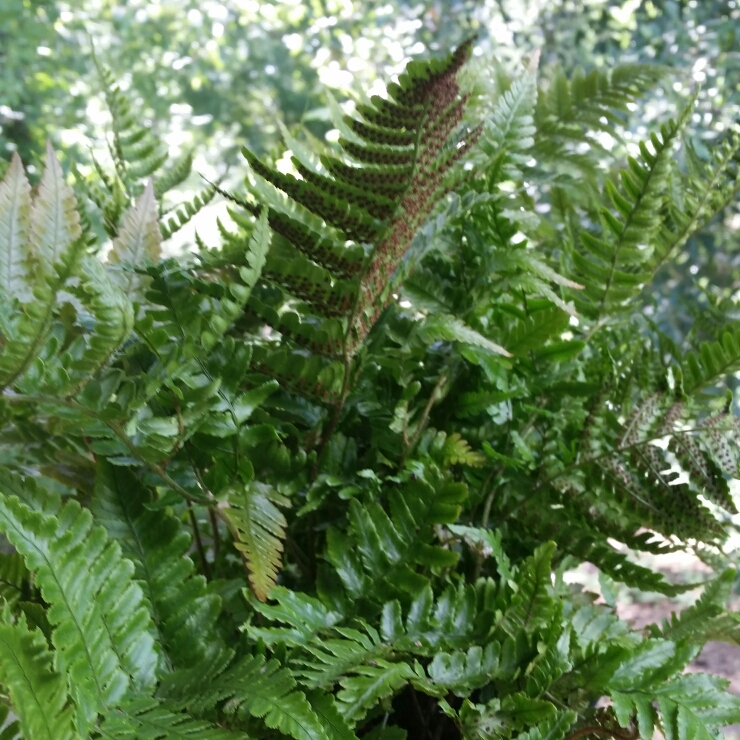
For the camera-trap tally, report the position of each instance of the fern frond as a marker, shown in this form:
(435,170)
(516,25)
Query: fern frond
(448,328)
(376,559)
(250,687)
(173,176)
(101,625)
(148,719)
(54,247)
(509,131)
(305,616)
(55,223)
(706,619)
(713,362)
(254,512)
(108,320)
(694,705)
(638,478)
(15,226)
(185,211)
(533,606)
(183,612)
(138,240)
(462,672)
(616,264)
(590,101)
(704,191)
(408,142)
(38,691)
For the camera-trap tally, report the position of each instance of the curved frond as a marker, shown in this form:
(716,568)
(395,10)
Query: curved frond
(38,691)
(101,625)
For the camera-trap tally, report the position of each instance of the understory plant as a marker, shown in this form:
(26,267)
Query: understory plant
(326,479)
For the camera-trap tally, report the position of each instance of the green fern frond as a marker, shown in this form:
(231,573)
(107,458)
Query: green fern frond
(713,362)
(148,719)
(461,672)
(173,176)
(38,690)
(509,131)
(704,191)
(696,705)
(101,624)
(533,606)
(706,619)
(183,612)
(448,328)
(108,318)
(615,265)
(377,558)
(185,211)
(249,687)
(587,102)
(304,616)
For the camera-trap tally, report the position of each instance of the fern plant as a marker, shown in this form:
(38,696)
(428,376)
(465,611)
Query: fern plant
(326,479)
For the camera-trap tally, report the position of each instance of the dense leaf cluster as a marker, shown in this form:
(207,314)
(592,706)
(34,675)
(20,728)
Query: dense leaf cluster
(325,480)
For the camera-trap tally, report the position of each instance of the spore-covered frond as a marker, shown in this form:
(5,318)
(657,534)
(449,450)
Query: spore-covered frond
(616,264)
(629,462)
(154,540)
(393,174)
(38,690)
(101,623)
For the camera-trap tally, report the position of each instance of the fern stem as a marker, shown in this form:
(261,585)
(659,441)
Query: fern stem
(117,430)
(600,732)
(215,533)
(423,420)
(198,542)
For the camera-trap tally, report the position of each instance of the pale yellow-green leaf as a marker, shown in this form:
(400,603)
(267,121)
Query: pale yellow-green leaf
(138,240)
(15,220)
(260,526)
(55,223)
